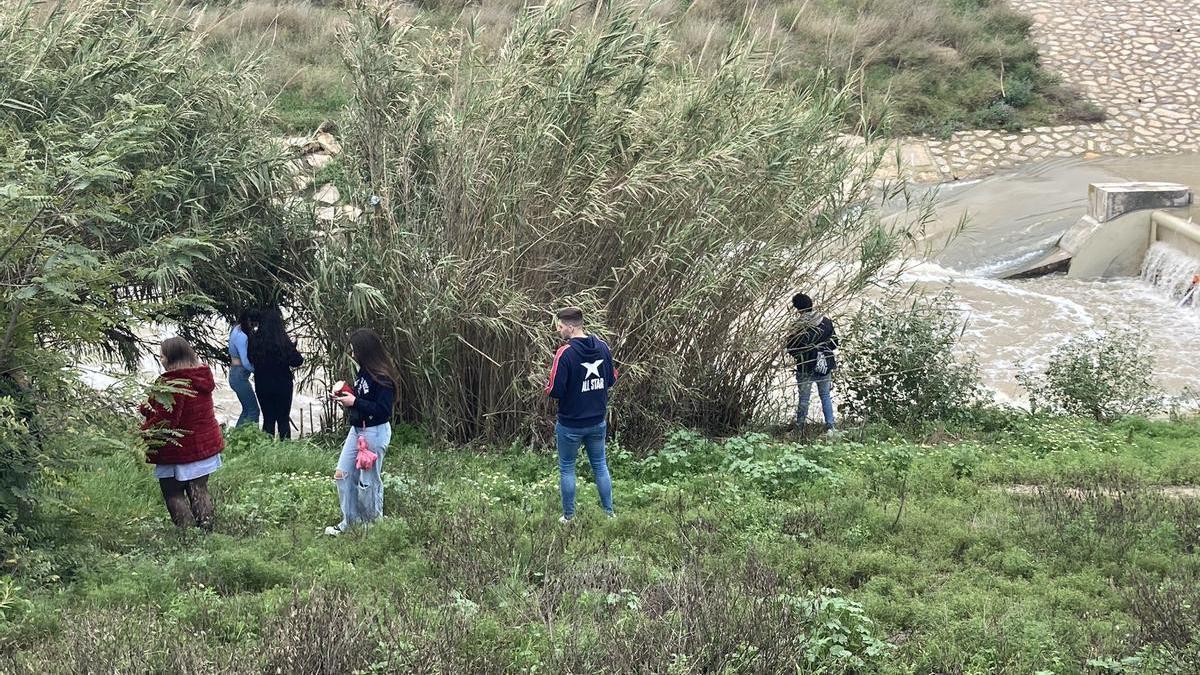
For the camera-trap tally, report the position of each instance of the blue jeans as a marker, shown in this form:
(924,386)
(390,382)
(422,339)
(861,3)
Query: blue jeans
(805,383)
(239,382)
(569,440)
(361,492)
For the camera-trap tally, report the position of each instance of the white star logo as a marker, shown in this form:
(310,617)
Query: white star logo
(593,369)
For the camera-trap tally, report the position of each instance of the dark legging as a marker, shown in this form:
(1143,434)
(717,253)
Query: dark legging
(188,502)
(275,400)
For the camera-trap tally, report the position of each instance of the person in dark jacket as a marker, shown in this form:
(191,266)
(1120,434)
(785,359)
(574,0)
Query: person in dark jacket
(274,355)
(368,406)
(580,377)
(181,431)
(812,344)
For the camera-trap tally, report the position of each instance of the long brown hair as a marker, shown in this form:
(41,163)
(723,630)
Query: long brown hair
(369,353)
(178,353)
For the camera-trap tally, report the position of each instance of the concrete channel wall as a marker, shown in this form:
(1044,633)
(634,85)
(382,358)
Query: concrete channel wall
(1122,221)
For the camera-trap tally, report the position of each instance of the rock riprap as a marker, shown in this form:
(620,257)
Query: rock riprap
(1139,60)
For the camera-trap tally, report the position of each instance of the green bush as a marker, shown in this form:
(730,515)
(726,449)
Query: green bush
(138,185)
(1105,374)
(999,115)
(898,364)
(684,452)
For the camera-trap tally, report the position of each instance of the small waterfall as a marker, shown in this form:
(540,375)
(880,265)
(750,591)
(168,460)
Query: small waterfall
(1172,272)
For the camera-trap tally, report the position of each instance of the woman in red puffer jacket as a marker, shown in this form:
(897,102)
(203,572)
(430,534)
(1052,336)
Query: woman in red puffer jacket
(181,432)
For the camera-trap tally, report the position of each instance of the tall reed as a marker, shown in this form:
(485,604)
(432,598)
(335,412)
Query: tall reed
(578,164)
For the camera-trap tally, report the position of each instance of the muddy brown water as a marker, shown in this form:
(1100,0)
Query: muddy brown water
(1015,325)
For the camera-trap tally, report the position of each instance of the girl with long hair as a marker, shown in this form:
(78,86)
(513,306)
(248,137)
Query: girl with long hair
(368,406)
(240,366)
(274,355)
(183,439)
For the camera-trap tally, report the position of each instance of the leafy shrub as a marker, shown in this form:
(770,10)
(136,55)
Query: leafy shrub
(684,452)
(780,475)
(19,461)
(1018,92)
(965,461)
(898,365)
(775,469)
(1106,375)
(999,115)
(840,634)
(12,605)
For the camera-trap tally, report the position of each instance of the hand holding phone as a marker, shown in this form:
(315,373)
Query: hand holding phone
(343,394)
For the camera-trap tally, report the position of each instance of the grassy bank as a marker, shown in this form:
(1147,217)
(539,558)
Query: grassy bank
(933,68)
(740,556)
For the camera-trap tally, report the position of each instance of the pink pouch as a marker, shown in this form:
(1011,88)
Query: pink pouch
(366,458)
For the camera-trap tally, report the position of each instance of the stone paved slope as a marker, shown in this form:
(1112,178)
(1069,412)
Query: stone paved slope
(1138,59)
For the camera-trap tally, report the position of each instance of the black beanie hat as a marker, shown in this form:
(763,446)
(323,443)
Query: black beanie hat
(802,302)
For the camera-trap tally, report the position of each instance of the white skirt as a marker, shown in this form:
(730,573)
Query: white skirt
(185,472)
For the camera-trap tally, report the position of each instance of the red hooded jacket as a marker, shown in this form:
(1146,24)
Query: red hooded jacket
(190,413)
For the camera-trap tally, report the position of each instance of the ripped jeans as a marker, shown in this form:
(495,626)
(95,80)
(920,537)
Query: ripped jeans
(361,492)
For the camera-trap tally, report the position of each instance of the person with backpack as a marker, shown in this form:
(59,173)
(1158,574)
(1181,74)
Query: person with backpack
(274,355)
(240,367)
(368,405)
(181,431)
(580,377)
(812,344)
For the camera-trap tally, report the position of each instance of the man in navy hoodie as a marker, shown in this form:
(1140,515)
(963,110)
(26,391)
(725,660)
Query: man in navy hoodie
(580,378)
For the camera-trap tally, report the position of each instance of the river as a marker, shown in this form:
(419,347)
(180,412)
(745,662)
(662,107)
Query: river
(1015,217)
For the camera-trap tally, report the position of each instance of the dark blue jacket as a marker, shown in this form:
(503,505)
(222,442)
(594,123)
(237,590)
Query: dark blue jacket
(580,378)
(810,345)
(373,401)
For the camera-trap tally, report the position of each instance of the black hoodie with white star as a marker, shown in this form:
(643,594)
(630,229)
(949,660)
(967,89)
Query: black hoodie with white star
(580,378)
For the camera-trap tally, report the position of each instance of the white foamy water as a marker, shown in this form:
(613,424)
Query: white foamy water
(1017,217)
(1015,325)
(1174,274)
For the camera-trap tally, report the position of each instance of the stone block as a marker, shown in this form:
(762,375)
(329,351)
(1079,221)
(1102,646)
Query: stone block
(1107,201)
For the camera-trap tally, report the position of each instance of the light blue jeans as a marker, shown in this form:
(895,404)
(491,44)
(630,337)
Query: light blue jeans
(569,441)
(361,492)
(824,384)
(239,382)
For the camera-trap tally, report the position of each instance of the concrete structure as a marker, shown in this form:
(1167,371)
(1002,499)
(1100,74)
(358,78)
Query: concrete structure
(1107,201)
(1123,220)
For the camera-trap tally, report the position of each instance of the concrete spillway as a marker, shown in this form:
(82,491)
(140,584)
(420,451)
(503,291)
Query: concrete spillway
(1122,223)
(1017,220)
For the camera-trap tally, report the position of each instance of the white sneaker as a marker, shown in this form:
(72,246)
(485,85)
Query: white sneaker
(334,531)
(563,520)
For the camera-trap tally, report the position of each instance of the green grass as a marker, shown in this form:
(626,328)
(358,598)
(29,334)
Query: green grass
(719,559)
(929,68)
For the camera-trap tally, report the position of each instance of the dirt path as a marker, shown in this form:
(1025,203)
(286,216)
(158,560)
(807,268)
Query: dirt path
(1172,491)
